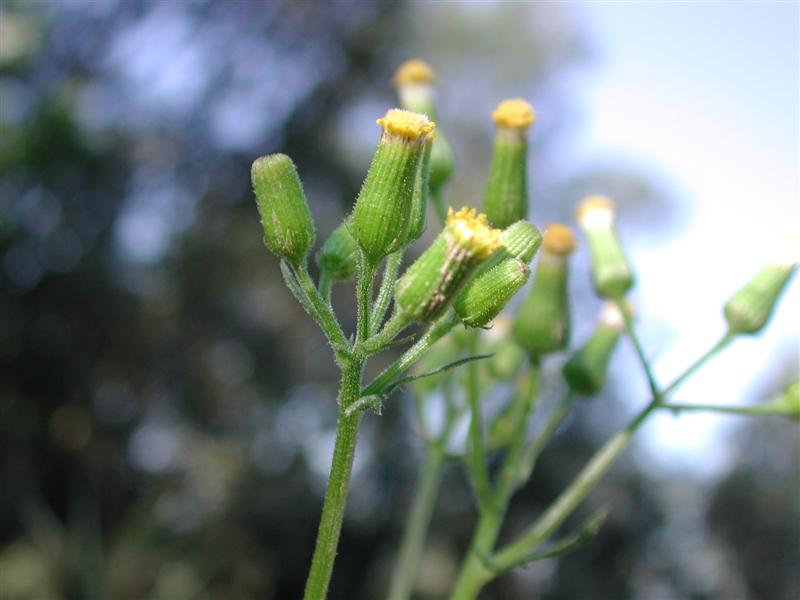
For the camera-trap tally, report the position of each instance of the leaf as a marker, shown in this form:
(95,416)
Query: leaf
(373,402)
(451,365)
(556,549)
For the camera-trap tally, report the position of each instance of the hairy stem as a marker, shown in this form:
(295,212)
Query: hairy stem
(386,290)
(433,335)
(330,525)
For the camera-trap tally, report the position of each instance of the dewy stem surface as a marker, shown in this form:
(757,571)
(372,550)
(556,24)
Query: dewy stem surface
(336,494)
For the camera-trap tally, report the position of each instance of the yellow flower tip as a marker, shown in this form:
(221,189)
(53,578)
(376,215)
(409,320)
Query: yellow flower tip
(595,211)
(473,232)
(516,113)
(412,72)
(559,239)
(407,124)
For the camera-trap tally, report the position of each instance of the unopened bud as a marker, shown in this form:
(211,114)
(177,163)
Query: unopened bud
(749,310)
(338,257)
(542,324)
(486,294)
(288,227)
(610,270)
(432,282)
(382,213)
(414,81)
(521,240)
(585,371)
(506,198)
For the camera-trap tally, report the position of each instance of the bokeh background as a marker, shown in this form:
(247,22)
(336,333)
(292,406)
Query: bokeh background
(167,410)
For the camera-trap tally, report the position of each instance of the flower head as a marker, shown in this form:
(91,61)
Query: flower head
(414,71)
(407,124)
(516,113)
(472,232)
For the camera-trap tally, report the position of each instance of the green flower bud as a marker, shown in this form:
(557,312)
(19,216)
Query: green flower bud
(414,82)
(486,294)
(431,283)
(749,310)
(585,371)
(338,257)
(506,198)
(542,324)
(382,213)
(522,240)
(419,204)
(288,227)
(610,271)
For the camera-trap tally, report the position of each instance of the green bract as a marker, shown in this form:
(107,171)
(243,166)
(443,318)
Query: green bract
(338,257)
(521,240)
(382,213)
(486,294)
(288,227)
(419,203)
(749,310)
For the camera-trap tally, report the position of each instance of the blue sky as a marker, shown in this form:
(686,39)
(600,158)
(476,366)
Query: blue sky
(707,96)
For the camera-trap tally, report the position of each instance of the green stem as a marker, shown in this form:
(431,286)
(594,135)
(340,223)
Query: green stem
(474,573)
(383,338)
(386,290)
(531,455)
(325,286)
(637,345)
(765,409)
(476,456)
(569,499)
(433,335)
(336,494)
(322,312)
(719,346)
(417,524)
(366,275)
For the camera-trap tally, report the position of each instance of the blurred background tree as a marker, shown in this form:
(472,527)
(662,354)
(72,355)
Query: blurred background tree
(167,411)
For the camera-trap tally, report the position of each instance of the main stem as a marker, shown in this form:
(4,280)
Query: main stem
(417,524)
(330,524)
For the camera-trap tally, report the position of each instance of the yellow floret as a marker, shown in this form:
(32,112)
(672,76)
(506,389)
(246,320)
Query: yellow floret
(413,71)
(558,239)
(407,124)
(516,114)
(472,231)
(596,211)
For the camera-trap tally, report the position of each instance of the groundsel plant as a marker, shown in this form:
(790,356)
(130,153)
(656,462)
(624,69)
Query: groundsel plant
(456,291)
